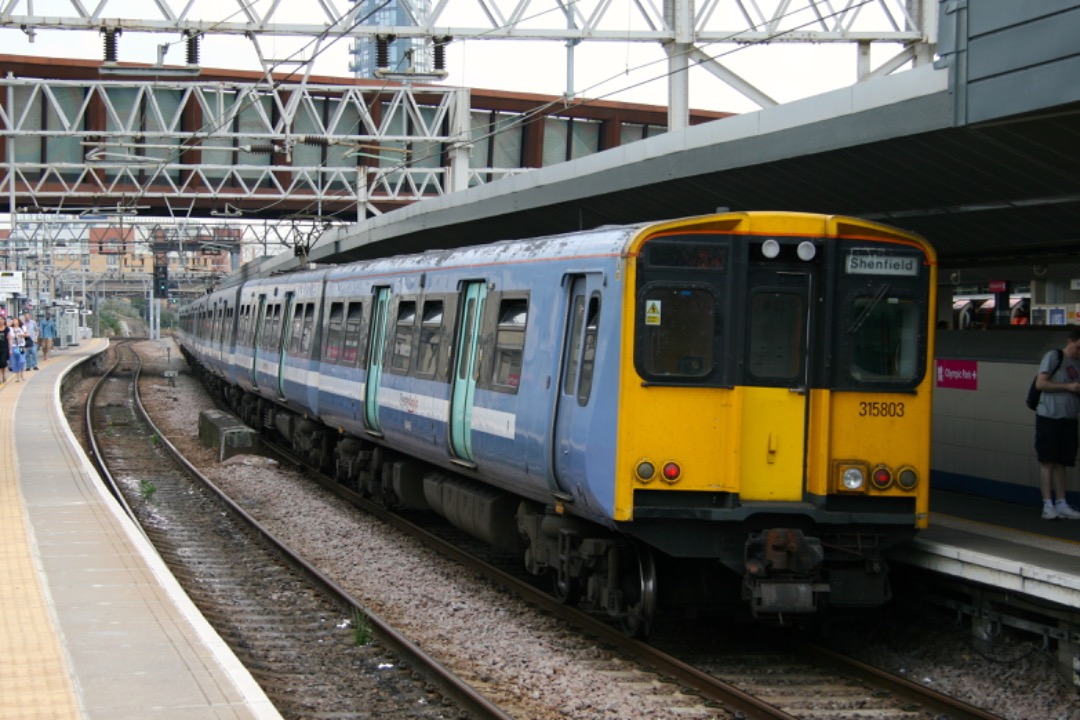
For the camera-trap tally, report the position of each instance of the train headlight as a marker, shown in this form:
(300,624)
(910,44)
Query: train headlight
(671,472)
(645,472)
(907,478)
(853,479)
(850,476)
(881,477)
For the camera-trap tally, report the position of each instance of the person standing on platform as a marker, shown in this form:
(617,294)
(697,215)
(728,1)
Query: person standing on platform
(48,336)
(17,348)
(5,347)
(1056,424)
(30,327)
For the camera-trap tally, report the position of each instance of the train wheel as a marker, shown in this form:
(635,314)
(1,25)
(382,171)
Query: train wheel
(639,593)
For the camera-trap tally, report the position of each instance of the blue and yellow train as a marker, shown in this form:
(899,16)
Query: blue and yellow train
(670,412)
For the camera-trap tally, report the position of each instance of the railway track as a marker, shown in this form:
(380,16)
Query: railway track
(755,680)
(743,682)
(302,638)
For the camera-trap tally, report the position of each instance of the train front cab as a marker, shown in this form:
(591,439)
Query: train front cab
(776,414)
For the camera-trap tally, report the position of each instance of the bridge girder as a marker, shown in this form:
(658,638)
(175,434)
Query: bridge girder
(287,148)
(692,33)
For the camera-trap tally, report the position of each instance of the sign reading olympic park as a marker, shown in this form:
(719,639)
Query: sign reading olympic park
(11,281)
(958,374)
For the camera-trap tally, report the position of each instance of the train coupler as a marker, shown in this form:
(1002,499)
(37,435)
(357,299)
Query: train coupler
(776,598)
(783,572)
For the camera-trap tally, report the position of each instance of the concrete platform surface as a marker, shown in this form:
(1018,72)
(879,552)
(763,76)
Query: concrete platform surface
(92,624)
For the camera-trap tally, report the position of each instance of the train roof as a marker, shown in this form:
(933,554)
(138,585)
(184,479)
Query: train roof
(604,241)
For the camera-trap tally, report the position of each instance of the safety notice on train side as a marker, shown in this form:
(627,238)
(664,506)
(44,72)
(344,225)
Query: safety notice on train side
(652,312)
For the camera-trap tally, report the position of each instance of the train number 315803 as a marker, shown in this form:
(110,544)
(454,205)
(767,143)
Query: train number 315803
(881,409)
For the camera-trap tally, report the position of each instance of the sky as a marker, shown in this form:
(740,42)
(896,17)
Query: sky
(612,70)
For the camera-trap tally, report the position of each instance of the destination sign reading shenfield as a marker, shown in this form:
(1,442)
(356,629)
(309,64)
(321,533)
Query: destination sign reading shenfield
(871,263)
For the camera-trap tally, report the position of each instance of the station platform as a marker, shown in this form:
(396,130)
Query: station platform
(92,624)
(999,544)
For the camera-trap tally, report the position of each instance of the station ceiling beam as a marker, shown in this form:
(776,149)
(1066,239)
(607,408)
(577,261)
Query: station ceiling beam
(691,33)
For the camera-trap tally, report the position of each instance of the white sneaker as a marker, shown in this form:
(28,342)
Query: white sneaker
(1049,513)
(1064,511)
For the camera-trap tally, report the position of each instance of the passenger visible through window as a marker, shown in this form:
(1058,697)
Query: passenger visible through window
(510,343)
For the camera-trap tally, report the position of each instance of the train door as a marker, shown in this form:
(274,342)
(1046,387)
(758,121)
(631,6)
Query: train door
(285,327)
(776,380)
(463,386)
(256,339)
(375,359)
(575,384)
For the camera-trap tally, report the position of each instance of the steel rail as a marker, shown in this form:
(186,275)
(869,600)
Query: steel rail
(90,425)
(708,686)
(449,684)
(951,707)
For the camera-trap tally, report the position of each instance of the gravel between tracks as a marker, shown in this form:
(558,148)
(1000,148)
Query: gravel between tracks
(492,638)
(478,631)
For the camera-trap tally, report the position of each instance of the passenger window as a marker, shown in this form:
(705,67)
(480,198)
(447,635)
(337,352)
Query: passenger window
(466,346)
(588,359)
(332,352)
(676,326)
(351,350)
(272,334)
(777,332)
(249,326)
(510,344)
(226,324)
(295,329)
(574,346)
(427,360)
(242,333)
(403,336)
(308,330)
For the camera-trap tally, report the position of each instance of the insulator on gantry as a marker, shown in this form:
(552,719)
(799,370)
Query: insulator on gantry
(110,43)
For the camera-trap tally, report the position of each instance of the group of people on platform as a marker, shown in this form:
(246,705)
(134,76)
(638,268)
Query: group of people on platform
(20,339)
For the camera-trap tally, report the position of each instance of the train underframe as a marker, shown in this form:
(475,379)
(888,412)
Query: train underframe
(786,573)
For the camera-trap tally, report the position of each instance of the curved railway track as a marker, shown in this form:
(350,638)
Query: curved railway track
(746,681)
(294,629)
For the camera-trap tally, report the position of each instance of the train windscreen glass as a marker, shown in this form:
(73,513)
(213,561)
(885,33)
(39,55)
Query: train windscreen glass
(883,329)
(678,332)
(885,338)
(682,280)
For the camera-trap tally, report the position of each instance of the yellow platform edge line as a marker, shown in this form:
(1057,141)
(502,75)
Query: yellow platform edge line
(36,680)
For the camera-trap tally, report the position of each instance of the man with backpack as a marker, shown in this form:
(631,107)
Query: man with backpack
(1056,424)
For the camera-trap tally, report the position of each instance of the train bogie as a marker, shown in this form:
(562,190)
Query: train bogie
(747,394)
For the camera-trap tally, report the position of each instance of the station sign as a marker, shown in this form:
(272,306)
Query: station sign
(957,374)
(11,281)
